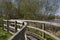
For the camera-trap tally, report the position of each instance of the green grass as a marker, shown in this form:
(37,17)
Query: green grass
(58,34)
(4,35)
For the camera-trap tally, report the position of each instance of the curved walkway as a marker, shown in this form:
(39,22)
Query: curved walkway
(51,23)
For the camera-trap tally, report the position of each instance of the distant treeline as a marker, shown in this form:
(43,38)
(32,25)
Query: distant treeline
(29,9)
(57,17)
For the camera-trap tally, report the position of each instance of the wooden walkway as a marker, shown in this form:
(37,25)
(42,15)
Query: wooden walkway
(42,30)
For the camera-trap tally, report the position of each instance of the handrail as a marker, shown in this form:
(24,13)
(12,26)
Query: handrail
(18,35)
(44,22)
(8,22)
(50,34)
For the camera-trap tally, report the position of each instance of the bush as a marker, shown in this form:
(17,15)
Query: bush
(2,35)
(1,21)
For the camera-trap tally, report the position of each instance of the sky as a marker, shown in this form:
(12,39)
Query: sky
(58,11)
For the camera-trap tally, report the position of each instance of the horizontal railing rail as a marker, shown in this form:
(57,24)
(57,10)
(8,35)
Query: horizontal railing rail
(12,24)
(20,35)
(50,34)
(42,30)
(19,32)
(45,22)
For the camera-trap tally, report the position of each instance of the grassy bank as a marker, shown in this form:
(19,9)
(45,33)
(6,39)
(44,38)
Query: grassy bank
(4,35)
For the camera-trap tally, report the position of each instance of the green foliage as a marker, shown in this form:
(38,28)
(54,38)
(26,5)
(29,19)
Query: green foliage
(4,35)
(48,37)
(57,17)
(58,34)
(1,21)
(30,9)
(8,9)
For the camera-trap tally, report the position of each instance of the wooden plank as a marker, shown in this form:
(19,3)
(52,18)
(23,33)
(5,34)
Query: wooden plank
(11,27)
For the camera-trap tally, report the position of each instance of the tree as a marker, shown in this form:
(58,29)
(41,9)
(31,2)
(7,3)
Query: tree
(35,9)
(31,9)
(9,10)
(28,8)
(50,8)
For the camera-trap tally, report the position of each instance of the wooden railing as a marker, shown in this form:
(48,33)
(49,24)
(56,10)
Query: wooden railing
(44,32)
(12,27)
(33,21)
(20,35)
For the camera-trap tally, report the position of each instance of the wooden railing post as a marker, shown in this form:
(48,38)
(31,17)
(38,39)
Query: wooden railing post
(43,27)
(15,26)
(7,25)
(3,25)
(20,35)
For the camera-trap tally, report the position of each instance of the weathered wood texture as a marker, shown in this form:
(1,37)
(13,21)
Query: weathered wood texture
(19,34)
